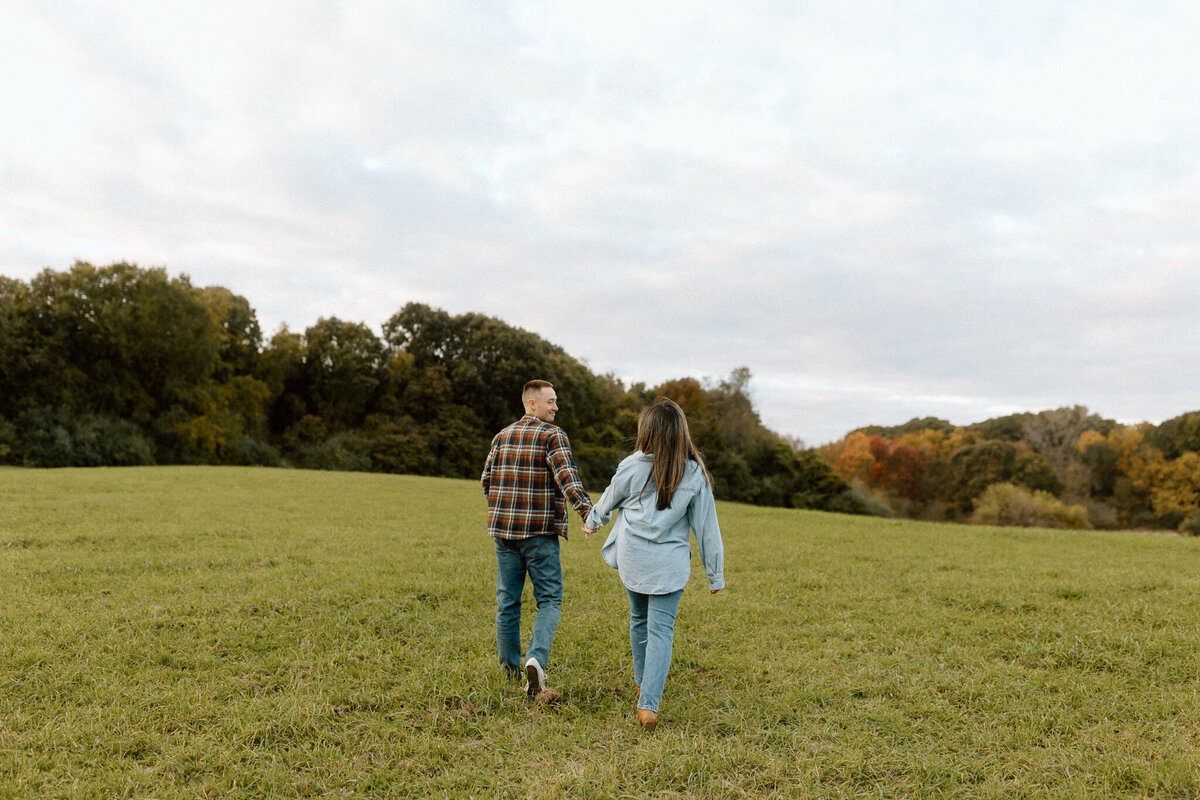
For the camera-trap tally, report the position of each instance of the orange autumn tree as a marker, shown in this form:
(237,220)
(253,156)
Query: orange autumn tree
(896,466)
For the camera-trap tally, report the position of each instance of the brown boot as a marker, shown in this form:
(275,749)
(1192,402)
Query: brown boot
(647,719)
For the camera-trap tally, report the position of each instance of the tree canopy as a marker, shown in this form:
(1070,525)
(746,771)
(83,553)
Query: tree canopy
(1064,466)
(121,365)
(124,365)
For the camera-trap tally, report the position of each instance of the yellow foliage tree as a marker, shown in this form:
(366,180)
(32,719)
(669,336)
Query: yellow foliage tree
(1176,485)
(855,460)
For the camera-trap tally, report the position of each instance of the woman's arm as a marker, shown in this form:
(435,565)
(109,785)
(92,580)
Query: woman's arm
(702,514)
(613,496)
(601,511)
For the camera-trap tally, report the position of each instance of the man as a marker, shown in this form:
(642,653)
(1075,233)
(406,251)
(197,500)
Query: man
(529,478)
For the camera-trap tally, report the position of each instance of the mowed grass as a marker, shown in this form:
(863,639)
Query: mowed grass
(224,632)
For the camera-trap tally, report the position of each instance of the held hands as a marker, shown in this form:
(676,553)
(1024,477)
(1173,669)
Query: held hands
(587,532)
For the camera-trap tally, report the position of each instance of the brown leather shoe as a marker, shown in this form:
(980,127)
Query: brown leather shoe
(647,719)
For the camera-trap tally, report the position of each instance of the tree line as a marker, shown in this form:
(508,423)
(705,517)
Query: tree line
(1063,467)
(121,365)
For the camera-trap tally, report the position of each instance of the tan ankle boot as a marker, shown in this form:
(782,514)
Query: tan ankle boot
(647,719)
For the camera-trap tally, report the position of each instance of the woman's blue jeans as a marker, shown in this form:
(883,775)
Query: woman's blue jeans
(516,558)
(651,635)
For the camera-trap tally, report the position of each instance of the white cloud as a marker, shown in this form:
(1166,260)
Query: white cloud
(946,209)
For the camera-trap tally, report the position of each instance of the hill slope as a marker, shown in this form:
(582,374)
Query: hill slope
(241,632)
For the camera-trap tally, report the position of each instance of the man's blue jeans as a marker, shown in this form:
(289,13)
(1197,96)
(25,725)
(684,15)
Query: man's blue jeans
(651,636)
(537,557)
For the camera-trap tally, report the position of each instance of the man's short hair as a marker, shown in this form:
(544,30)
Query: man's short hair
(534,386)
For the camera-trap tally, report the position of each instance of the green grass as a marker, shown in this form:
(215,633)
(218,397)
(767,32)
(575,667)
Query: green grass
(222,632)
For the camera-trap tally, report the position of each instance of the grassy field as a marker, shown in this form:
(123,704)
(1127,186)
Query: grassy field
(220,632)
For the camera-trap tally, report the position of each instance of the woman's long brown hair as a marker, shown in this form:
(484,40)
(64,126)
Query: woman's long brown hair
(663,433)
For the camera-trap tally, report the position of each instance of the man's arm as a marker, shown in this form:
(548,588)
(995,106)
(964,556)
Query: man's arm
(566,474)
(486,477)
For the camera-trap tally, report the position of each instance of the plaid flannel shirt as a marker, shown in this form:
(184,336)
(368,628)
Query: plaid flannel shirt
(528,478)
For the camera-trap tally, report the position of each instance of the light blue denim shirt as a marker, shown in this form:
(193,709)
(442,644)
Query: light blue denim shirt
(649,547)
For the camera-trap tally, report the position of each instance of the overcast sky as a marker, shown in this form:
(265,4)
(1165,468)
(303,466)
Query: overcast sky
(884,210)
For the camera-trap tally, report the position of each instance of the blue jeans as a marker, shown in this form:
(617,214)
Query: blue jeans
(537,557)
(651,635)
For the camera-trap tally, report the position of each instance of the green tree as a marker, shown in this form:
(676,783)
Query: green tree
(241,339)
(231,427)
(980,465)
(1004,429)
(14,346)
(58,438)
(344,371)
(488,362)
(119,341)
(734,413)
(281,368)
(1101,459)
(100,349)
(464,376)
(1177,435)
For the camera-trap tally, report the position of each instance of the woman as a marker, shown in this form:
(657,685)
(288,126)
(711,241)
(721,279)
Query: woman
(662,490)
